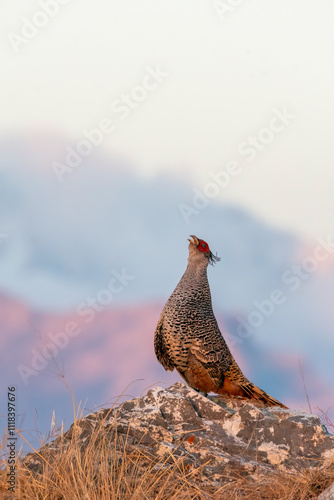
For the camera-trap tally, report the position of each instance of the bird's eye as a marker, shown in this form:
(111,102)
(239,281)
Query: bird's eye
(203,245)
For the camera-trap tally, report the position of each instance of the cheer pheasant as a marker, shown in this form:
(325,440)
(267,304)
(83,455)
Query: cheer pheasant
(188,338)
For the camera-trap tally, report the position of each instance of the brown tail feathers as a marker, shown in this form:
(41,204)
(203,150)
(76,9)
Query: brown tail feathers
(251,391)
(247,390)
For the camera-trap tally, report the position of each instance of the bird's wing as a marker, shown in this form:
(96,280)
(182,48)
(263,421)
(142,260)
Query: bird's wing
(214,358)
(160,347)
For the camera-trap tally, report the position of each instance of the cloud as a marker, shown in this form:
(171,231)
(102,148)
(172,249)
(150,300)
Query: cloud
(64,240)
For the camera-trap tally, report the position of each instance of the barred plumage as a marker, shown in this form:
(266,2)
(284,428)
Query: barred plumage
(188,338)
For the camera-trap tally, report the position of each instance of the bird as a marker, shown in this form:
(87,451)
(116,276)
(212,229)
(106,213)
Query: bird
(187,337)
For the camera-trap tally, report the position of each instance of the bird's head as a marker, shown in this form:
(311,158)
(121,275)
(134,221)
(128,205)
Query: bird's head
(199,250)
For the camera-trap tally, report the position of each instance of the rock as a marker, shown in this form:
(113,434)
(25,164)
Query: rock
(327,494)
(224,438)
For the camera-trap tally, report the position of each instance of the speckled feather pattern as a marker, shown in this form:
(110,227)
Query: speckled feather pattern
(188,337)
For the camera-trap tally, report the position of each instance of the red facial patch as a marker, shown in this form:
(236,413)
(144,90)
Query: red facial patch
(203,246)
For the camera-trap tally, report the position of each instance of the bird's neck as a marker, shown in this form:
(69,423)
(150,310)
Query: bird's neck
(194,287)
(197,273)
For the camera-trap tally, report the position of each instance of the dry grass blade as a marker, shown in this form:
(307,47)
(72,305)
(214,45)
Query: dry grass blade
(304,384)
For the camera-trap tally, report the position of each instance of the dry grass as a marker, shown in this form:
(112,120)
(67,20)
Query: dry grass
(96,470)
(108,467)
(325,420)
(304,486)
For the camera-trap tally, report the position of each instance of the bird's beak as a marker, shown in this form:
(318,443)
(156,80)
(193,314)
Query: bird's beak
(194,240)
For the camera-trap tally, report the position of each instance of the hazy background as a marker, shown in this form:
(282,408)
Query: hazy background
(223,73)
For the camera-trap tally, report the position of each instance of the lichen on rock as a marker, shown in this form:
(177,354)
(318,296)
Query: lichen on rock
(219,436)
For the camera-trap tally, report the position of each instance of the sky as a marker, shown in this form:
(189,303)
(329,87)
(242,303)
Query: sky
(223,72)
(116,113)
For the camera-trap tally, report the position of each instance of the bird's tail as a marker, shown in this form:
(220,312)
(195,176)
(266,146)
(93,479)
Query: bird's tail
(236,384)
(251,391)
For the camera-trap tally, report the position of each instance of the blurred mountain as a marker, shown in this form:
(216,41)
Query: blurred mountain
(64,238)
(113,354)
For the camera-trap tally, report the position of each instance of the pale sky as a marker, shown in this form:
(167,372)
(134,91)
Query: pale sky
(224,77)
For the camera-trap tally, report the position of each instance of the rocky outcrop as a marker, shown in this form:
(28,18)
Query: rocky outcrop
(328,494)
(223,438)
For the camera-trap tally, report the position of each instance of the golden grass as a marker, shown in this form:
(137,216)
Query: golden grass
(99,470)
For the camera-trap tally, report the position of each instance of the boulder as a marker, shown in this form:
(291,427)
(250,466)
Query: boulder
(223,438)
